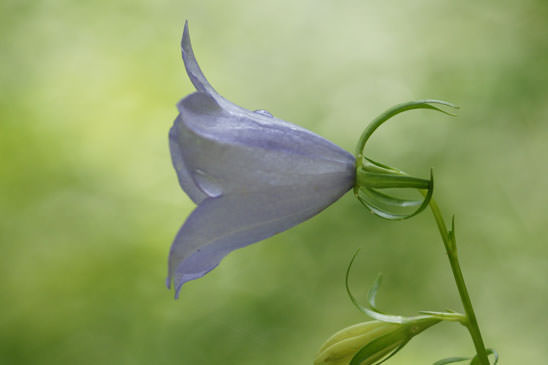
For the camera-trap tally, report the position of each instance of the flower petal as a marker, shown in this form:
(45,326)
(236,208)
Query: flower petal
(192,69)
(201,84)
(227,154)
(196,75)
(185,178)
(220,225)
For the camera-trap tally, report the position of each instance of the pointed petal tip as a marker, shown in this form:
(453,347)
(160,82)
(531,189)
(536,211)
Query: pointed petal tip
(177,286)
(185,41)
(185,31)
(191,64)
(177,293)
(178,283)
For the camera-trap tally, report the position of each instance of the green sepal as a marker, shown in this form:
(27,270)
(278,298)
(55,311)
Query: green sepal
(388,206)
(372,294)
(384,347)
(375,166)
(370,312)
(393,201)
(451,360)
(446,316)
(395,110)
(372,176)
(384,181)
(380,349)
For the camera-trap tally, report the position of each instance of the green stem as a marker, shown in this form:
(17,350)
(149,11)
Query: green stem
(451,248)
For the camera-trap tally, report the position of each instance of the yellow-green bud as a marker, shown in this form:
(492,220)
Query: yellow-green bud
(380,338)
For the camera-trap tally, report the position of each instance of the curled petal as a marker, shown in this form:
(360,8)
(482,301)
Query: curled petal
(196,75)
(193,70)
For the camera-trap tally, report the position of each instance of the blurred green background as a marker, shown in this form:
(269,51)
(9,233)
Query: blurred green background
(89,202)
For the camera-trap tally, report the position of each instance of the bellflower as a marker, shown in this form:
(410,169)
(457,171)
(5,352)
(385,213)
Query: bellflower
(251,175)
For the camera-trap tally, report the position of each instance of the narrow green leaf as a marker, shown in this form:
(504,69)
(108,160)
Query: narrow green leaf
(370,313)
(446,316)
(451,360)
(371,296)
(375,166)
(396,202)
(385,180)
(395,110)
(392,208)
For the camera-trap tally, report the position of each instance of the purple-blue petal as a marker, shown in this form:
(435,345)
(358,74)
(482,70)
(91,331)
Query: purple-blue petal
(193,70)
(225,154)
(185,178)
(223,224)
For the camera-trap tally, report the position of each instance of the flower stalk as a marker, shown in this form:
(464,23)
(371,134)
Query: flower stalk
(470,321)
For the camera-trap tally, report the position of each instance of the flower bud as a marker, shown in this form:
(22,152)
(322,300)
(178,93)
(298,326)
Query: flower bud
(368,342)
(344,344)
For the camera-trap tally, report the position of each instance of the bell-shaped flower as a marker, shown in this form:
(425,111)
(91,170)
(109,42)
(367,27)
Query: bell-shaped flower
(251,175)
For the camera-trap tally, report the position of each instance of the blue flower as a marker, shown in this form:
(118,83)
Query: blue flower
(251,175)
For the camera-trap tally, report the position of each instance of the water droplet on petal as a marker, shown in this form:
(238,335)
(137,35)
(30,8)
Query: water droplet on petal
(207,184)
(263,112)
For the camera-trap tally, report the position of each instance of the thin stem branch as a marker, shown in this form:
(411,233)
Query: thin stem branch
(451,248)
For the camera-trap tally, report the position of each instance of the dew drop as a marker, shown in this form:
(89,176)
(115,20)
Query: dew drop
(207,184)
(264,112)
